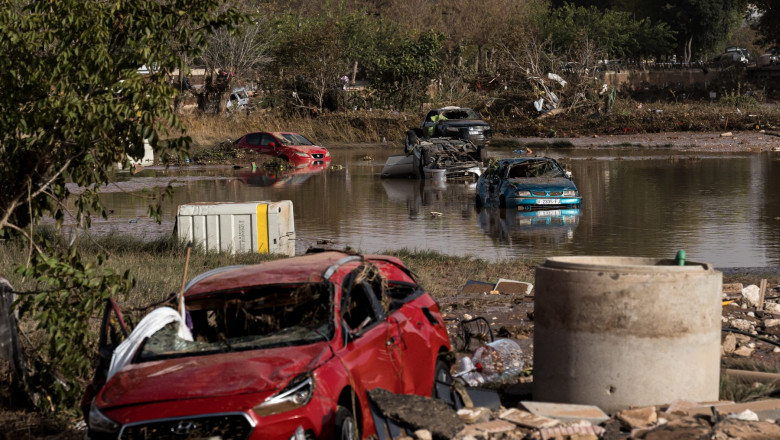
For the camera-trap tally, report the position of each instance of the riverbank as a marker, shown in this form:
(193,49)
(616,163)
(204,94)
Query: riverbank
(680,125)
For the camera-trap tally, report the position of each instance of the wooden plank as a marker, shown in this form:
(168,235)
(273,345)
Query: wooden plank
(761,292)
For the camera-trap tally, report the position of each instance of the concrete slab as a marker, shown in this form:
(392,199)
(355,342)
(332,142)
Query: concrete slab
(566,412)
(525,418)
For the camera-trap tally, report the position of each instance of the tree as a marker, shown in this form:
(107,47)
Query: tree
(72,105)
(767,21)
(402,69)
(700,26)
(241,52)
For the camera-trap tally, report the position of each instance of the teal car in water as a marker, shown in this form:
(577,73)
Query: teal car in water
(527,184)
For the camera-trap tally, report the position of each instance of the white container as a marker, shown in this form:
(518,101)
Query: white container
(262,227)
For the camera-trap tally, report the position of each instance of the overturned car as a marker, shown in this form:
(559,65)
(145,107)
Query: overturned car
(278,350)
(436,158)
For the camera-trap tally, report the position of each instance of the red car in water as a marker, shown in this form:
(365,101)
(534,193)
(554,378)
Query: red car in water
(278,349)
(292,147)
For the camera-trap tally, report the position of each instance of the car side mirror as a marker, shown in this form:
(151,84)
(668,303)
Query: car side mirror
(272,144)
(568,174)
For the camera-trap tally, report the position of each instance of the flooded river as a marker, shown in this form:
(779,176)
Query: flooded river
(722,209)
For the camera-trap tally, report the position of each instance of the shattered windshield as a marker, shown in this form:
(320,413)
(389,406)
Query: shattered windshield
(247,319)
(293,139)
(461,113)
(534,168)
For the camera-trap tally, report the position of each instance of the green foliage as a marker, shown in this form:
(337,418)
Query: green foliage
(402,69)
(768,21)
(614,33)
(72,292)
(72,105)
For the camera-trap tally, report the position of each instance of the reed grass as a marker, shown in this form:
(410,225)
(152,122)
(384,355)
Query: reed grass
(343,128)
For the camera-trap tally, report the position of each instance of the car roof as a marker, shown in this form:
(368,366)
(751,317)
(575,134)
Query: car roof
(310,268)
(452,107)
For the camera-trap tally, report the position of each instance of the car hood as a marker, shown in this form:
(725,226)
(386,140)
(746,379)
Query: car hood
(308,148)
(213,375)
(464,123)
(542,184)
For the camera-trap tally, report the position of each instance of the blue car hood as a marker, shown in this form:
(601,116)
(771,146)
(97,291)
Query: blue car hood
(542,184)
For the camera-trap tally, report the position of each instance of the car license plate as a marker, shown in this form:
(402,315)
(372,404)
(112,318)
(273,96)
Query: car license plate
(551,213)
(546,201)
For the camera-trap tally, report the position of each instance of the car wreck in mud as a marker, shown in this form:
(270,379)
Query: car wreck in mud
(437,158)
(278,350)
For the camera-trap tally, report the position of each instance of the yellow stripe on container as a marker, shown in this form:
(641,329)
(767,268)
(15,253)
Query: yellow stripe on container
(262,228)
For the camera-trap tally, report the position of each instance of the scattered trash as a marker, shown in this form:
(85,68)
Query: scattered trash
(501,361)
(727,134)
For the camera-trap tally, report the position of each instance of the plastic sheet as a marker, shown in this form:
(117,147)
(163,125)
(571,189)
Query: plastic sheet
(151,324)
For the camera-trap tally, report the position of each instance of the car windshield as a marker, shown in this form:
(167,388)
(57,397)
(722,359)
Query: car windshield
(293,139)
(461,113)
(247,319)
(534,168)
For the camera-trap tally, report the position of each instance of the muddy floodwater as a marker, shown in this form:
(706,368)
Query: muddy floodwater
(720,208)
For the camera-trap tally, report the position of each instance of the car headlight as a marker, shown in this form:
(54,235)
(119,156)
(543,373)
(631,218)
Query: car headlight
(327,154)
(100,423)
(523,193)
(295,395)
(301,154)
(570,193)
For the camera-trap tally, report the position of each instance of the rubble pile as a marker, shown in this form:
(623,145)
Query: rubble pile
(750,339)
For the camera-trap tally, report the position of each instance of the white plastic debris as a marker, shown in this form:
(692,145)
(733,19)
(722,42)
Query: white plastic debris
(151,324)
(468,373)
(501,360)
(746,415)
(750,295)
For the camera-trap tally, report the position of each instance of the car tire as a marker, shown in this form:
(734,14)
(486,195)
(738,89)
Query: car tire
(478,201)
(346,428)
(502,202)
(441,373)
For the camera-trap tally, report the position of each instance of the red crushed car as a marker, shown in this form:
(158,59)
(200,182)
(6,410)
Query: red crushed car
(292,147)
(286,346)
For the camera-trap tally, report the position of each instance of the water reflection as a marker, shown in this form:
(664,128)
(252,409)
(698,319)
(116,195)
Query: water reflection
(721,209)
(529,229)
(277,178)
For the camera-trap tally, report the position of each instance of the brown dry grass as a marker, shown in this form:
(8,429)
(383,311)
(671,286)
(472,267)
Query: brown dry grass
(343,128)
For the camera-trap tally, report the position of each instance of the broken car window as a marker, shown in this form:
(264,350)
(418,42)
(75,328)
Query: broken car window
(249,318)
(534,168)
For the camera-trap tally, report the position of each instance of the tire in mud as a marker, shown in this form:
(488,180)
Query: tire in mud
(346,428)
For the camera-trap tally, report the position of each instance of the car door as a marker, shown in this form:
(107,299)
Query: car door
(373,353)
(269,144)
(252,141)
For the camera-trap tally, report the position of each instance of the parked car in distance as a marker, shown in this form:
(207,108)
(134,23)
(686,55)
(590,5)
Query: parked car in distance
(734,58)
(278,349)
(770,58)
(292,147)
(527,184)
(741,50)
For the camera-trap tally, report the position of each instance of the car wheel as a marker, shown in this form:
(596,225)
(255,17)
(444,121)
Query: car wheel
(440,374)
(478,201)
(502,202)
(346,428)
